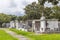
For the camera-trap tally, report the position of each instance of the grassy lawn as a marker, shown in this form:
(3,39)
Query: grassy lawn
(5,36)
(38,37)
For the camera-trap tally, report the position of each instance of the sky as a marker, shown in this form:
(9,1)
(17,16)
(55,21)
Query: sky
(15,7)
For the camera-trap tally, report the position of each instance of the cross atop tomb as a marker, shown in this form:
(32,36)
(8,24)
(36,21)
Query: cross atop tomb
(42,17)
(42,14)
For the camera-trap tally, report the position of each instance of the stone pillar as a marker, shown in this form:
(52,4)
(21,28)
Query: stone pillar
(33,26)
(17,24)
(43,24)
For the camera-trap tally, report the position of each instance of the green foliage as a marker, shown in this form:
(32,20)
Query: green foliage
(4,18)
(5,36)
(54,2)
(34,10)
(25,17)
(47,12)
(13,17)
(56,12)
(20,18)
(32,16)
(41,2)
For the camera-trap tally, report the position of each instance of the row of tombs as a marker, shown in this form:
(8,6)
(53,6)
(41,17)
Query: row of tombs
(40,25)
(47,25)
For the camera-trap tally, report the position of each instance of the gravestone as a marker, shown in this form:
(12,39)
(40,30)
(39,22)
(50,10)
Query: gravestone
(4,24)
(7,25)
(12,24)
(23,26)
(52,24)
(30,23)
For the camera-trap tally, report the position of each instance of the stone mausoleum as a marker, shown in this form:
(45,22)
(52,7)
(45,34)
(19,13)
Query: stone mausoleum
(43,25)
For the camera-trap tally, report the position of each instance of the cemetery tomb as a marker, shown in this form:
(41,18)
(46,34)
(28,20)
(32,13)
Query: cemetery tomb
(12,24)
(53,24)
(37,25)
(30,23)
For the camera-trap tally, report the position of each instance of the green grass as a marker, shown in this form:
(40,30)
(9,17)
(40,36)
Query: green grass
(5,36)
(38,37)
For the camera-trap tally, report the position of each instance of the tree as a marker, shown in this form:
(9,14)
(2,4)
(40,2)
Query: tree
(47,12)
(34,10)
(25,17)
(54,2)
(4,18)
(56,12)
(42,2)
(13,17)
(19,18)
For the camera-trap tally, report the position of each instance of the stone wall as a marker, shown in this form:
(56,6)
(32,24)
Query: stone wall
(59,25)
(34,25)
(52,25)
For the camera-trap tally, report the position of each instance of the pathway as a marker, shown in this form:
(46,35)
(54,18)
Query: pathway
(20,37)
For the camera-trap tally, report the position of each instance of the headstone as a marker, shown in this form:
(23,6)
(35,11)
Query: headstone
(4,24)
(7,25)
(23,26)
(12,24)
(30,23)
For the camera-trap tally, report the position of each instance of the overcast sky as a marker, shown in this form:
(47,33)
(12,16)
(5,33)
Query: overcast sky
(15,7)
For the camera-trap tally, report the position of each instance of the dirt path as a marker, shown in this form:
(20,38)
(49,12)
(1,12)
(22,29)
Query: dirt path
(20,37)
